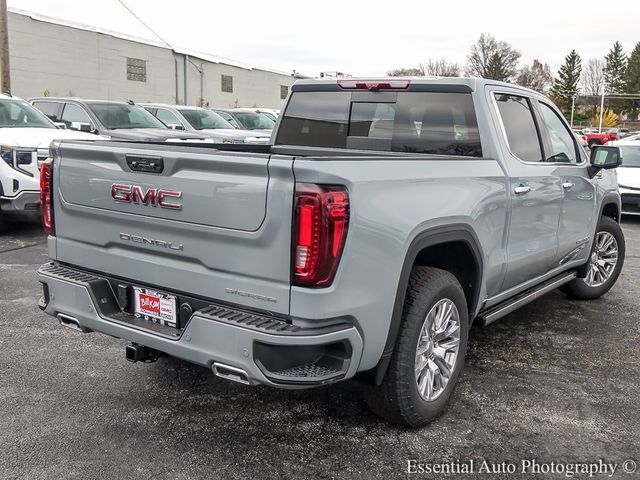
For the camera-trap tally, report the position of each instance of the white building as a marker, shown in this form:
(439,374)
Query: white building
(58,58)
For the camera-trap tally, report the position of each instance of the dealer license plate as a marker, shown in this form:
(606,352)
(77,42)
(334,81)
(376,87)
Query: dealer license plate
(155,306)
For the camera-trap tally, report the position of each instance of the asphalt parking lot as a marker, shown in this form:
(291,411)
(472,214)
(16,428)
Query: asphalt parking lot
(558,380)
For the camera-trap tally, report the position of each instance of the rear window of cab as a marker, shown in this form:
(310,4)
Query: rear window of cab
(439,123)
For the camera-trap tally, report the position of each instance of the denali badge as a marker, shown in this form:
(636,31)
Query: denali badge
(150,241)
(153,196)
(255,296)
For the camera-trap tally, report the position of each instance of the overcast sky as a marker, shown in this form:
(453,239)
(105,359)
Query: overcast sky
(362,38)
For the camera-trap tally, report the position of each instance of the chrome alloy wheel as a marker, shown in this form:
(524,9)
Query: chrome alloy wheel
(604,259)
(437,349)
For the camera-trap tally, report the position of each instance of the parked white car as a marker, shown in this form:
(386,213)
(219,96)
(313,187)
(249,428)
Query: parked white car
(629,175)
(25,136)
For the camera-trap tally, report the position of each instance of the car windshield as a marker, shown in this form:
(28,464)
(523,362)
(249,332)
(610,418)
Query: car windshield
(201,119)
(254,121)
(630,155)
(115,116)
(19,114)
(230,119)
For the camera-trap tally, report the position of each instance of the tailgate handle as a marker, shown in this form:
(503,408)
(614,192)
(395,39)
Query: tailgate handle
(147,164)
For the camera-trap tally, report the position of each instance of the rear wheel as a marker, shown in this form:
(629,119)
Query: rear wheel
(593,143)
(429,352)
(605,262)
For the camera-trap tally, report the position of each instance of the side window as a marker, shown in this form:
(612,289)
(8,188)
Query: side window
(73,116)
(50,109)
(168,118)
(229,119)
(316,119)
(563,148)
(520,127)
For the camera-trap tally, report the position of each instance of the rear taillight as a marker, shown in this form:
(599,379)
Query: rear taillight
(46,196)
(321,222)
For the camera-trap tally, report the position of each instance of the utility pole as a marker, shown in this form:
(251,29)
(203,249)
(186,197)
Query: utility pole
(601,109)
(5,71)
(573,106)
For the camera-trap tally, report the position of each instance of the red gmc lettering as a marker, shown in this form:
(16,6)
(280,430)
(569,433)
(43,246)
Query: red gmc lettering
(121,193)
(138,197)
(152,196)
(162,194)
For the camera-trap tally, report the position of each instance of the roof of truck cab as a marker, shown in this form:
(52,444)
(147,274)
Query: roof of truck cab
(472,83)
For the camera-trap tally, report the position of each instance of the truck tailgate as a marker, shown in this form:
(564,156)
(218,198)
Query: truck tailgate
(201,225)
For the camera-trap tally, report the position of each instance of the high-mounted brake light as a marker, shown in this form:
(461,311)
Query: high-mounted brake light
(46,196)
(321,224)
(374,84)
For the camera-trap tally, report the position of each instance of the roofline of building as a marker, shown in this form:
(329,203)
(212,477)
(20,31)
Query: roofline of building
(207,57)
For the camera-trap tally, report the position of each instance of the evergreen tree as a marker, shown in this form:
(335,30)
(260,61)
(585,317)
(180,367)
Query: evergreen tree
(632,79)
(566,85)
(614,70)
(614,76)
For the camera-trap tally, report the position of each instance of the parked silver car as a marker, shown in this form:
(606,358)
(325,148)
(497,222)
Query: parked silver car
(203,121)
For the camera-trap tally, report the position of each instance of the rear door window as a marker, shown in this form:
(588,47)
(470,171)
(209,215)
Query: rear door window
(438,123)
(520,127)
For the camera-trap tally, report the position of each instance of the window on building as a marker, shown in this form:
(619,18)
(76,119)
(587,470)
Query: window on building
(73,116)
(284,91)
(136,69)
(227,83)
(522,134)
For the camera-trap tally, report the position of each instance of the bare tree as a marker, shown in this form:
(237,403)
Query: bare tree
(440,68)
(593,80)
(593,76)
(405,72)
(536,77)
(492,59)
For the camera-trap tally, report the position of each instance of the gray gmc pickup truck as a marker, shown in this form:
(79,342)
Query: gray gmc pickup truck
(384,219)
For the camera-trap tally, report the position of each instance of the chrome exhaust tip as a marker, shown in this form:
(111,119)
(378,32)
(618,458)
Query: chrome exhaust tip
(230,373)
(72,323)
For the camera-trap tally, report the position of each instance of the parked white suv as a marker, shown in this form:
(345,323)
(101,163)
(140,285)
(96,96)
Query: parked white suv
(25,135)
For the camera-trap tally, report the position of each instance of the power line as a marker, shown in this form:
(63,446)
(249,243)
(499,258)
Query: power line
(145,25)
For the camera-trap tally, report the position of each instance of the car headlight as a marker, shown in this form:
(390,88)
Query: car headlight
(6,152)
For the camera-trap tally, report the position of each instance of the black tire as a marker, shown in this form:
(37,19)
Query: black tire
(593,143)
(397,399)
(579,288)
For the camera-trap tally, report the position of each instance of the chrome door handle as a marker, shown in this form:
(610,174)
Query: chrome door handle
(567,185)
(520,189)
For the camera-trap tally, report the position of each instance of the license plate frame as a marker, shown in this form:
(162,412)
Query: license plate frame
(155,306)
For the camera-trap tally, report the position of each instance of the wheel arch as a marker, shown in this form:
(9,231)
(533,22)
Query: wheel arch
(462,239)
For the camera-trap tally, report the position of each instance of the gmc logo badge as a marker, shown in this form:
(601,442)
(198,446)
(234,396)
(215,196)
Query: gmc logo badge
(153,196)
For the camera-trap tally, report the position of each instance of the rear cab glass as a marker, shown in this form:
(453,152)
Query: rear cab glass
(440,123)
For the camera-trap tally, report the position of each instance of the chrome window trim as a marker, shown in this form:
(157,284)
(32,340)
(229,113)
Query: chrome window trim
(506,139)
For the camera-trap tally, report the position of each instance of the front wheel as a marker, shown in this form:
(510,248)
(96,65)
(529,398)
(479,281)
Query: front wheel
(429,352)
(605,263)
